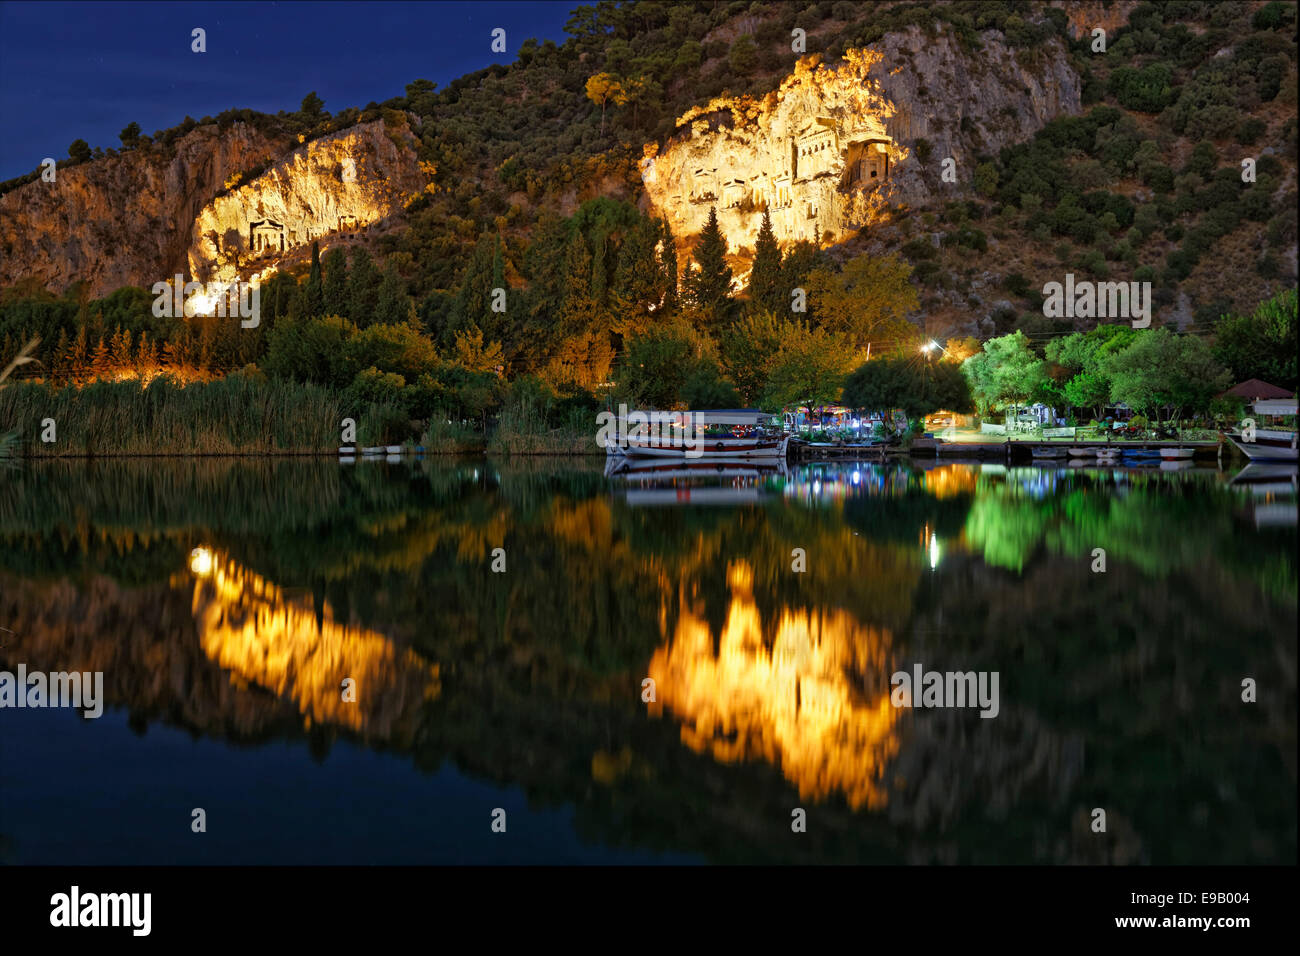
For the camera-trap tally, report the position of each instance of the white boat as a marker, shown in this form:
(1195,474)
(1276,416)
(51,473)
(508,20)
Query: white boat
(394,449)
(1049,451)
(674,435)
(1266,479)
(1269,444)
(1108,454)
(1083,452)
(669,470)
(1177,454)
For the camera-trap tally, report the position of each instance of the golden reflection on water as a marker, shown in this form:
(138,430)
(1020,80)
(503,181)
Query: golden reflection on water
(796,704)
(249,627)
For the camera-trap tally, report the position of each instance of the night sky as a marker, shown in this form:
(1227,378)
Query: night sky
(85,70)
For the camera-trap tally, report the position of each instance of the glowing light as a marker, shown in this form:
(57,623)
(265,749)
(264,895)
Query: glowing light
(781,692)
(201,561)
(934,551)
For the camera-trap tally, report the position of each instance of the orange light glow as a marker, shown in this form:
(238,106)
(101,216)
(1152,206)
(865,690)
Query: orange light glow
(793,704)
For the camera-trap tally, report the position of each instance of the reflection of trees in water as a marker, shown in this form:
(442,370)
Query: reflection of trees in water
(1146,674)
(1114,694)
(1158,526)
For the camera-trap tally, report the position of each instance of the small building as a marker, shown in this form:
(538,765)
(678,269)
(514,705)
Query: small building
(1254,390)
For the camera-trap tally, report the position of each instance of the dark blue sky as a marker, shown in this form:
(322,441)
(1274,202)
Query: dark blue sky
(86,70)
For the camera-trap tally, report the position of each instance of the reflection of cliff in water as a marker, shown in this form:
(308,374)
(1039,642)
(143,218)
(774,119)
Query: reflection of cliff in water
(250,628)
(794,703)
(1119,690)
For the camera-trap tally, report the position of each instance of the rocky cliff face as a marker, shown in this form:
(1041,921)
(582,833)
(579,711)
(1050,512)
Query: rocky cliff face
(333,186)
(831,148)
(145,215)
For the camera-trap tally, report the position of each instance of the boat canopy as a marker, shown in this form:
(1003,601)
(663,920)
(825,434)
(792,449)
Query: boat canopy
(723,416)
(1275,406)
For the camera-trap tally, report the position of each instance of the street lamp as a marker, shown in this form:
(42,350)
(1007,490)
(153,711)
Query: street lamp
(931,345)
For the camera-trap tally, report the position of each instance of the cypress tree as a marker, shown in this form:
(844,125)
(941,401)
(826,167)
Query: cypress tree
(363,283)
(708,285)
(314,293)
(392,307)
(336,282)
(765,278)
(473,299)
(668,267)
(638,289)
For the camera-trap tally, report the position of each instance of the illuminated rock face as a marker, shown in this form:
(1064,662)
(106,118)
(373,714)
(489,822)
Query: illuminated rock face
(813,153)
(828,150)
(123,219)
(142,216)
(332,186)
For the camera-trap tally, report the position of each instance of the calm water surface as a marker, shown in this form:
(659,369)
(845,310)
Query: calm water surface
(226,602)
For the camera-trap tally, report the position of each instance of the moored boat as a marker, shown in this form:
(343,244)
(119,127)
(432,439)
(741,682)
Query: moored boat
(1269,444)
(1177,454)
(1048,451)
(696,435)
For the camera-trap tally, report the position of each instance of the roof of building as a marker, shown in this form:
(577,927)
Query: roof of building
(1253,389)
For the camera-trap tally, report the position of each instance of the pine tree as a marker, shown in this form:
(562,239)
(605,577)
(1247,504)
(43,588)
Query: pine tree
(363,285)
(80,354)
(62,354)
(175,355)
(336,282)
(101,364)
(120,351)
(146,360)
(314,292)
(765,278)
(708,284)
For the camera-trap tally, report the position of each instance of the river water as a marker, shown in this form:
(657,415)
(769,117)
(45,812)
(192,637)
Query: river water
(485,662)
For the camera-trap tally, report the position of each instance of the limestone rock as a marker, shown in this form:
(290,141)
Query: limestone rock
(144,215)
(829,150)
(332,186)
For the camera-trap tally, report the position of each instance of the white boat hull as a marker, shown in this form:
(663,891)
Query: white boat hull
(1268,446)
(708,448)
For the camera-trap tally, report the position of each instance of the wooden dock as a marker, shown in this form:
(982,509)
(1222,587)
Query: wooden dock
(1004,451)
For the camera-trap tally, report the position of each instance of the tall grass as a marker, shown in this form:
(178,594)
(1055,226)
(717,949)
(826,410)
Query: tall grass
(522,429)
(237,415)
(9,440)
(445,437)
